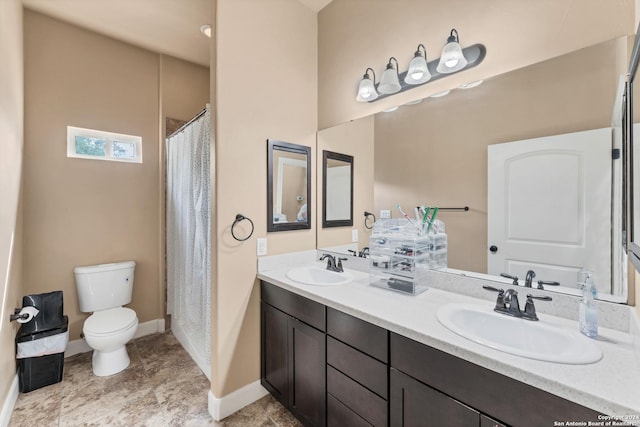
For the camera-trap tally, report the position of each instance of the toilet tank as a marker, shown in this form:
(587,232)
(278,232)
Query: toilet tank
(104,286)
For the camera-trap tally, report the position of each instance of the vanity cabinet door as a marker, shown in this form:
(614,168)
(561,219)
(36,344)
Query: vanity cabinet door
(307,373)
(489,422)
(293,365)
(273,349)
(413,403)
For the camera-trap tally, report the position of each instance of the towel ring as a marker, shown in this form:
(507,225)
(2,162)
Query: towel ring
(240,218)
(366,217)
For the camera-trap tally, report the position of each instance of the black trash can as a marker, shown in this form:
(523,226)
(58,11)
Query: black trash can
(41,342)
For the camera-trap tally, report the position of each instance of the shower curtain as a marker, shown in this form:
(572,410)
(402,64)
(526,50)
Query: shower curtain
(188,204)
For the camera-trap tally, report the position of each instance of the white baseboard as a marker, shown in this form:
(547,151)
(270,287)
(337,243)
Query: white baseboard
(9,403)
(146,328)
(222,407)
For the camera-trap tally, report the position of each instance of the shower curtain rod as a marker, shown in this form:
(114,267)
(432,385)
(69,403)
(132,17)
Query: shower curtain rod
(193,119)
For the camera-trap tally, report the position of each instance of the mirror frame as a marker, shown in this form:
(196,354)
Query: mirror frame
(326,156)
(273,145)
(632,235)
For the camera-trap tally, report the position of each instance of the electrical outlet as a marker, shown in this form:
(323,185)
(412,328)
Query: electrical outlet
(354,235)
(261,246)
(385,214)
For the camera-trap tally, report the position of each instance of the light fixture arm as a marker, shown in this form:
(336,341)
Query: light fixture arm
(418,53)
(452,37)
(390,66)
(366,74)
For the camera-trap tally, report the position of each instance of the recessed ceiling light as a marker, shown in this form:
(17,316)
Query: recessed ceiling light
(389,110)
(439,94)
(417,101)
(471,84)
(206,30)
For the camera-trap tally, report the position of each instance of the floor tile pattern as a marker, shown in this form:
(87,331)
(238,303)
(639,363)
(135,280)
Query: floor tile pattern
(162,387)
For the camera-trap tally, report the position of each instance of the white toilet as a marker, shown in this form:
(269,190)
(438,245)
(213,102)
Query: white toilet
(103,289)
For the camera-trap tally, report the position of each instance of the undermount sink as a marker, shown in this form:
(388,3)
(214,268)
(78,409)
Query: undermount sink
(318,276)
(534,340)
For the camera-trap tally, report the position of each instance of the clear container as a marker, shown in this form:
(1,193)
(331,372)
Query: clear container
(401,254)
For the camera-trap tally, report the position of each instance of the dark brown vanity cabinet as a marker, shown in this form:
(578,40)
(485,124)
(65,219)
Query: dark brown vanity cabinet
(330,368)
(293,361)
(464,389)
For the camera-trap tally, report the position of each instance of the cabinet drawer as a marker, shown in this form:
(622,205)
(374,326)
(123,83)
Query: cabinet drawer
(339,415)
(364,369)
(303,309)
(370,339)
(363,402)
(481,388)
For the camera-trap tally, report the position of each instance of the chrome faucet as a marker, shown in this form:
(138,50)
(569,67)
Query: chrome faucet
(332,263)
(529,278)
(511,304)
(507,303)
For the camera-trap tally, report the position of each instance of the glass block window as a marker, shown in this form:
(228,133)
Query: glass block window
(99,145)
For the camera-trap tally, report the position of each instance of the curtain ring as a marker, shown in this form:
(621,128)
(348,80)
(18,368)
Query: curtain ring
(240,218)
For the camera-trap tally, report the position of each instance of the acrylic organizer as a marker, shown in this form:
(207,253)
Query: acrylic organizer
(401,253)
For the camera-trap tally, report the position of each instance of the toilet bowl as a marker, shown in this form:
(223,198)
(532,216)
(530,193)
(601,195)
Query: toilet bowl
(103,290)
(107,333)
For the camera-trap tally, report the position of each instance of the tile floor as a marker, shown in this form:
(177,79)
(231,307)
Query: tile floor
(161,387)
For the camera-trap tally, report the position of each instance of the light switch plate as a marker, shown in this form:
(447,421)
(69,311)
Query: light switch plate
(354,235)
(385,214)
(261,246)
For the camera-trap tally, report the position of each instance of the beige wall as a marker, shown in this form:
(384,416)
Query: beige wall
(356,34)
(266,87)
(80,212)
(435,153)
(11,144)
(185,88)
(356,139)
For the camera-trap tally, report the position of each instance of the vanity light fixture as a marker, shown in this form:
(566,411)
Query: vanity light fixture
(418,72)
(390,82)
(206,30)
(452,58)
(367,88)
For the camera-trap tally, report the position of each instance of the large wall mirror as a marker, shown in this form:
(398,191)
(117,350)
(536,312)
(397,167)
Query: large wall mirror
(633,128)
(437,153)
(288,186)
(337,189)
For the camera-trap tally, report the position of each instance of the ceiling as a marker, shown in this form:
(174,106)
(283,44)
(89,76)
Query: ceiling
(171,27)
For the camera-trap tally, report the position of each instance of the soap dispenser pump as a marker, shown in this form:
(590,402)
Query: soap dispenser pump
(588,309)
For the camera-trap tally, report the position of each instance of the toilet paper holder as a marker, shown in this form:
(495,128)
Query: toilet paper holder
(24,314)
(17,315)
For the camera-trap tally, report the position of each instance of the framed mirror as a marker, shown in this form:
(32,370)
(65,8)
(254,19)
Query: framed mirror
(437,153)
(288,186)
(337,189)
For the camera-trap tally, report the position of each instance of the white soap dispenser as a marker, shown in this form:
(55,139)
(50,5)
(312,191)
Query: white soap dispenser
(588,309)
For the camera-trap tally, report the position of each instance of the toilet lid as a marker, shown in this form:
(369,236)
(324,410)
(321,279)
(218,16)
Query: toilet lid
(108,322)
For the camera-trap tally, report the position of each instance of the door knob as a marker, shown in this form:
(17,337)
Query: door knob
(493,249)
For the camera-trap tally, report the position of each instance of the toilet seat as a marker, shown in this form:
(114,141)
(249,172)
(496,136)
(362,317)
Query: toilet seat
(110,322)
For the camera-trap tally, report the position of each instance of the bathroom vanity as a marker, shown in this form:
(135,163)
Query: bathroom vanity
(355,355)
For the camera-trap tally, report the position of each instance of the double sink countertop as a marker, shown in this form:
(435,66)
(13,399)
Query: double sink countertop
(610,386)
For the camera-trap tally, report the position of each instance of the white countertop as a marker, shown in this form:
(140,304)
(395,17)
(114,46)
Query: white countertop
(610,386)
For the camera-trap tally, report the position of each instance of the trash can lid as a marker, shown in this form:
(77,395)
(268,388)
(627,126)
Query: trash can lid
(108,322)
